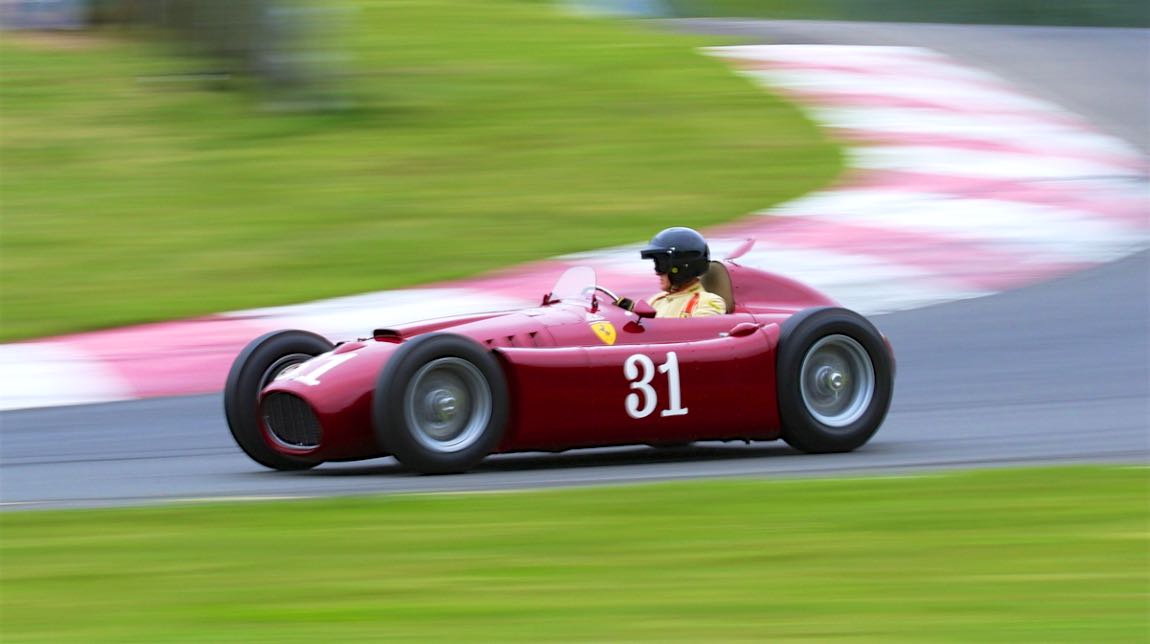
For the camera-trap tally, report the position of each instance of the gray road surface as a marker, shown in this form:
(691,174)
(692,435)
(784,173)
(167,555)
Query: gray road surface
(1100,73)
(1054,373)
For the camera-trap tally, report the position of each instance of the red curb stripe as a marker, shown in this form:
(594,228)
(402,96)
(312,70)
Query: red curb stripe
(170,358)
(966,262)
(1082,196)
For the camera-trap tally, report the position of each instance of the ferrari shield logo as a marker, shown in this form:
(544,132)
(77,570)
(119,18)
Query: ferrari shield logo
(605,330)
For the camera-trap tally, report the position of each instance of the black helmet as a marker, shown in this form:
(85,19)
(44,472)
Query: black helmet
(679,253)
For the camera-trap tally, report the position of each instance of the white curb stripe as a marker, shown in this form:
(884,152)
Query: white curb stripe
(50,374)
(999,127)
(867,285)
(1046,234)
(978,164)
(355,316)
(960,93)
(898,59)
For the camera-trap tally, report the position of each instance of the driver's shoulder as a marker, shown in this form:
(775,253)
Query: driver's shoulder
(712,303)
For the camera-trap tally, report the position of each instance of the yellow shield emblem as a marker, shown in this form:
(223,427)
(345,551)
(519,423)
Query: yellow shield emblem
(605,330)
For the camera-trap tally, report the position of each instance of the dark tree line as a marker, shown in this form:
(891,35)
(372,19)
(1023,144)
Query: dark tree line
(264,40)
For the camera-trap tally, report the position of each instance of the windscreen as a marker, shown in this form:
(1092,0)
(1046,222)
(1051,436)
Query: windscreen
(577,284)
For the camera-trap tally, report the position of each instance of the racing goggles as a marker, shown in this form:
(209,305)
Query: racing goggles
(663,262)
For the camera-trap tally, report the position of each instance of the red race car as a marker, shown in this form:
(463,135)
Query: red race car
(576,371)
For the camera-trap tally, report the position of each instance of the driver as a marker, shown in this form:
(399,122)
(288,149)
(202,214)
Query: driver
(681,256)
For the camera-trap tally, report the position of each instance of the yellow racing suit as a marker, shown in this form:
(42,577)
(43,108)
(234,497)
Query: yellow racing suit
(692,301)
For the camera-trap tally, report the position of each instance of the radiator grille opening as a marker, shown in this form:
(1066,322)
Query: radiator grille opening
(291,420)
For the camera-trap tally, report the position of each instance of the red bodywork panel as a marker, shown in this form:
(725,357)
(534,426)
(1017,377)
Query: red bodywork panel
(571,386)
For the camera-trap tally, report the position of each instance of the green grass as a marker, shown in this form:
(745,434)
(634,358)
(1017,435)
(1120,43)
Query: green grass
(1039,555)
(485,133)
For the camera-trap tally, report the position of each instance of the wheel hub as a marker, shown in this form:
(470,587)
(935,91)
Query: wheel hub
(449,404)
(830,380)
(837,381)
(442,405)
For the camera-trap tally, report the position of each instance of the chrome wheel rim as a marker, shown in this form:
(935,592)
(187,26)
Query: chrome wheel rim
(837,381)
(448,405)
(282,365)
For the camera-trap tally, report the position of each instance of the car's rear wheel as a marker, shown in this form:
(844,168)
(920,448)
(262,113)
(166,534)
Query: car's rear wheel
(257,365)
(836,379)
(440,404)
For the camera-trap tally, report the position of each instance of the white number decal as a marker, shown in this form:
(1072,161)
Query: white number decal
(640,370)
(631,371)
(671,368)
(312,376)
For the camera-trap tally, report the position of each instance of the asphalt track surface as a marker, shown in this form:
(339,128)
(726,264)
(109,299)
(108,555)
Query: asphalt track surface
(1054,373)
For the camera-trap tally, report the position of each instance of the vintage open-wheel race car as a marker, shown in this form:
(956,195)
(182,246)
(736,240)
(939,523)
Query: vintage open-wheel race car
(576,371)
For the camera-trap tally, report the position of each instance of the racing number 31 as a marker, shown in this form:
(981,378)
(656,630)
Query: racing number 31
(641,402)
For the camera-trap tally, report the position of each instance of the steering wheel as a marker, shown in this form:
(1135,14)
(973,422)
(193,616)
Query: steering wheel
(587,291)
(606,291)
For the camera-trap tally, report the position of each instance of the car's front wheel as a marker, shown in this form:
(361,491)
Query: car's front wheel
(257,365)
(836,379)
(440,404)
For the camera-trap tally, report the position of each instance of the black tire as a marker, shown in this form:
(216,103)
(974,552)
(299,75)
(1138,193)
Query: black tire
(416,409)
(252,370)
(849,380)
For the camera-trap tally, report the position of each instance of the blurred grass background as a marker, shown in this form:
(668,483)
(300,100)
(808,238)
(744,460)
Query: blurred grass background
(1011,555)
(481,133)
(1096,13)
